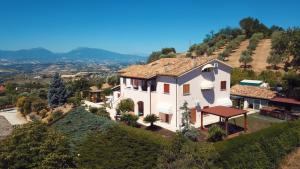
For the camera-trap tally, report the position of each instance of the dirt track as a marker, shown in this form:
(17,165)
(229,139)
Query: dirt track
(235,56)
(260,55)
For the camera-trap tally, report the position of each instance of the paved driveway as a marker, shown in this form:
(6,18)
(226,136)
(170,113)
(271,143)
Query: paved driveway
(13,117)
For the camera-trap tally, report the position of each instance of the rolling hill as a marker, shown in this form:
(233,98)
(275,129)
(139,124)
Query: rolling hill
(42,55)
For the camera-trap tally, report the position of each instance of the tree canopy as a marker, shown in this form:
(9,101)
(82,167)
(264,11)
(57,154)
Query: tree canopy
(57,93)
(36,146)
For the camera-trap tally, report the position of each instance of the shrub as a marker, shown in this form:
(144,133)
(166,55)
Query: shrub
(183,153)
(121,147)
(43,113)
(151,118)
(38,105)
(79,122)
(215,133)
(192,134)
(103,113)
(130,119)
(55,115)
(125,105)
(93,110)
(76,101)
(266,147)
(36,146)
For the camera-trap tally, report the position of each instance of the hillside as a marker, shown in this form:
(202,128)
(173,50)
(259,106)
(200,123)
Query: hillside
(234,57)
(260,55)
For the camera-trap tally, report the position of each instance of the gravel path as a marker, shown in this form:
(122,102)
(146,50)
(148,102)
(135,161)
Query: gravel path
(5,128)
(13,117)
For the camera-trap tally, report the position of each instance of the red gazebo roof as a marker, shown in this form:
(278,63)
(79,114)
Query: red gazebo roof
(223,111)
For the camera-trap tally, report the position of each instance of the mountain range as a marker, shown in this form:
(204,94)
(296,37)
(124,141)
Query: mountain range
(82,54)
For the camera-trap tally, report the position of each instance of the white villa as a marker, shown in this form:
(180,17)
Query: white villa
(161,88)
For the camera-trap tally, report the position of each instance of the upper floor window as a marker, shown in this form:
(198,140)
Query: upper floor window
(207,70)
(223,85)
(166,88)
(186,89)
(135,83)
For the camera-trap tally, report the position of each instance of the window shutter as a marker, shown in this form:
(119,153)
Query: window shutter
(186,89)
(166,88)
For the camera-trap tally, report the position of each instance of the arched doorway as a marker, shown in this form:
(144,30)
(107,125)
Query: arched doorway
(140,108)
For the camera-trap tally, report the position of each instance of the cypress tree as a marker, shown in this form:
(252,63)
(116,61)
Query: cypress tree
(57,93)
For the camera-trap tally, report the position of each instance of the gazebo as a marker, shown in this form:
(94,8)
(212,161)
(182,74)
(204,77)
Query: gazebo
(226,113)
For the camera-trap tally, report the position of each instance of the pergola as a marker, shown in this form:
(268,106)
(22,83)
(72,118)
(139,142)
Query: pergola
(226,113)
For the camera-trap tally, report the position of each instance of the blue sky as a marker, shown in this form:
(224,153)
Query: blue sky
(129,26)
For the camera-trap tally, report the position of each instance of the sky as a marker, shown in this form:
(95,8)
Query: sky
(130,26)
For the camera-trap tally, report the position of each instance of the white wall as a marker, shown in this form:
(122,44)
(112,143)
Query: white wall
(159,97)
(176,97)
(205,97)
(127,91)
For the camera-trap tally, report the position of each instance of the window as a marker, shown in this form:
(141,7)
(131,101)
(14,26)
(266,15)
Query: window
(166,88)
(207,70)
(135,84)
(186,89)
(166,118)
(124,80)
(223,85)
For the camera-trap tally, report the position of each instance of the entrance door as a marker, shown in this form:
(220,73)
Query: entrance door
(140,108)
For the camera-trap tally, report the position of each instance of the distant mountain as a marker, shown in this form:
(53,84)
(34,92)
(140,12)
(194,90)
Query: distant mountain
(42,55)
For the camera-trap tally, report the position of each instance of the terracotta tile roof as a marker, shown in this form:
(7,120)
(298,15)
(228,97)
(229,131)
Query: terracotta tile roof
(165,66)
(252,91)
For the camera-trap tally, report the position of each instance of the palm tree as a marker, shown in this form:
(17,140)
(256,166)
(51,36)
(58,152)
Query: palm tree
(151,118)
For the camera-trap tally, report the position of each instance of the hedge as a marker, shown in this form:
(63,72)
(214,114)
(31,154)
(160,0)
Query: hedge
(263,149)
(121,147)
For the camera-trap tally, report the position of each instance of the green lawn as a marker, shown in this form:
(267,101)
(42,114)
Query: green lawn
(256,122)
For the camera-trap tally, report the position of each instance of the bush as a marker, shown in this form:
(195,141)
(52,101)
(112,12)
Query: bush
(266,147)
(125,105)
(239,74)
(130,119)
(55,115)
(93,110)
(215,133)
(192,134)
(35,146)
(79,122)
(151,118)
(103,113)
(122,147)
(183,153)
(76,101)
(43,113)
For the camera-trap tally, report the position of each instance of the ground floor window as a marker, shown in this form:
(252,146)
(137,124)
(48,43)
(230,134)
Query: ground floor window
(140,108)
(166,118)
